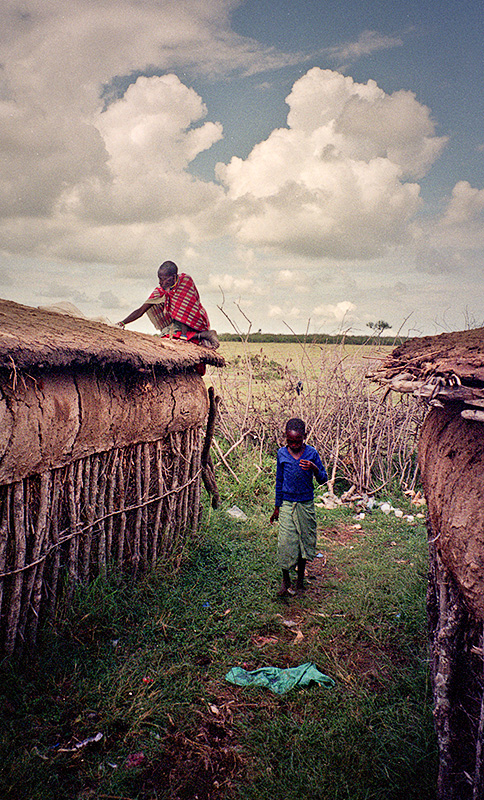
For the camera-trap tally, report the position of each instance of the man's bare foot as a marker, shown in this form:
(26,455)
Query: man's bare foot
(209,339)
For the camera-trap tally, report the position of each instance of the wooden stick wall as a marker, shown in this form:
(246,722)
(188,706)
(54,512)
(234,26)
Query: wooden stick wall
(123,509)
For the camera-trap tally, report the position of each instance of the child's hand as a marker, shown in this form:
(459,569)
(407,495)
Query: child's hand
(305,464)
(275,515)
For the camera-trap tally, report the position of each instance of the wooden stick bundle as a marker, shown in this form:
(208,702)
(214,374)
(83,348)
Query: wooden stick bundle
(119,510)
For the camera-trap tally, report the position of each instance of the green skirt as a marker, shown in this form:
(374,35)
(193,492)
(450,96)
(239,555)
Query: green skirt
(297,533)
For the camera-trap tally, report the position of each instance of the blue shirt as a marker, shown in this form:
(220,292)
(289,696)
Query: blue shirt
(294,483)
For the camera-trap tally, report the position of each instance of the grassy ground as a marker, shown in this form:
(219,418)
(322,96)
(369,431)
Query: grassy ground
(145,667)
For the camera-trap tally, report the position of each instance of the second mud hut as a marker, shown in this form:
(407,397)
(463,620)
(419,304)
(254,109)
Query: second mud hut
(447,371)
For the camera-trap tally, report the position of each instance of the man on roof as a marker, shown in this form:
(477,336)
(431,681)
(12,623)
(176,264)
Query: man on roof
(174,308)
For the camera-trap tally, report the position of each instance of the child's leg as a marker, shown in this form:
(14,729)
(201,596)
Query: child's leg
(286,583)
(301,567)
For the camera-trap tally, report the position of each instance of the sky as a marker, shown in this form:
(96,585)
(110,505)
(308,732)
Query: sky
(314,166)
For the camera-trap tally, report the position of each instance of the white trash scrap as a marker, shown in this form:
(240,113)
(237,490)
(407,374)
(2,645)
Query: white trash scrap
(236,512)
(367,505)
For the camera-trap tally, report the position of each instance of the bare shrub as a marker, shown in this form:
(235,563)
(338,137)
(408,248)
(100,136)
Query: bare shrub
(363,435)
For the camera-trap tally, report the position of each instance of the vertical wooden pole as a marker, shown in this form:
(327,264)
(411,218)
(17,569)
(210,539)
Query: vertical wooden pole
(110,507)
(139,510)
(159,505)
(74,485)
(122,518)
(20,545)
(40,532)
(478,787)
(196,463)
(171,526)
(186,448)
(91,476)
(100,511)
(146,479)
(4,533)
(56,513)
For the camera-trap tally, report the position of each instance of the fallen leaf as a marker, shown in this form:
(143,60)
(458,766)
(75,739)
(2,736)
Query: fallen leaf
(135,760)
(262,641)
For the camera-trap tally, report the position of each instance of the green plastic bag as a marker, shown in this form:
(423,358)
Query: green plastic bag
(280,680)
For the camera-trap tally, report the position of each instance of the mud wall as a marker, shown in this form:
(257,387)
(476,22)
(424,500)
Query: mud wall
(451,456)
(55,419)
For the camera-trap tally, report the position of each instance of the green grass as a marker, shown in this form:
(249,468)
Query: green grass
(145,666)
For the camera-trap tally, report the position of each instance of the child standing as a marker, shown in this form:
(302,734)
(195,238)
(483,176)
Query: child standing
(297,464)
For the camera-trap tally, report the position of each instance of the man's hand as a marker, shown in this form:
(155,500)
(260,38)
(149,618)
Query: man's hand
(305,464)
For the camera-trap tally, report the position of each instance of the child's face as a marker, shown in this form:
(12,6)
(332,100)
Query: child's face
(294,441)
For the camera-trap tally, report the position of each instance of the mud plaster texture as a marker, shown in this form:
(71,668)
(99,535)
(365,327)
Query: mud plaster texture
(58,418)
(451,456)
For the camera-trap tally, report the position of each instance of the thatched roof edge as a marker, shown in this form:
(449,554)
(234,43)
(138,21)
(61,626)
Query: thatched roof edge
(460,353)
(37,338)
(443,369)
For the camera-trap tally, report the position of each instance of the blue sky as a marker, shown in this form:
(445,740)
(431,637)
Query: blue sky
(314,164)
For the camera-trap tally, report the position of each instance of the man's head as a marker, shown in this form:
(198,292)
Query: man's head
(167,274)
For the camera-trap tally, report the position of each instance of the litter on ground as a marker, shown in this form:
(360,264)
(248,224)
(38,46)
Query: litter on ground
(280,680)
(236,512)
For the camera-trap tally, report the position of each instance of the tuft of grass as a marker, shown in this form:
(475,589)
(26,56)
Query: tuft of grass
(144,664)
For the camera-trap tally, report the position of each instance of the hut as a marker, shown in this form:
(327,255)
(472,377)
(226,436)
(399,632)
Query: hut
(104,441)
(447,371)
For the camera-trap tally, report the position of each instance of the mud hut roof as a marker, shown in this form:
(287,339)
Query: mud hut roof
(33,338)
(448,368)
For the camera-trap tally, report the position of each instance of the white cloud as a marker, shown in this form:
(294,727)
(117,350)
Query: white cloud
(287,277)
(368,42)
(64,163)
(229,283)
(454,240)
(284,312)
(335,182)
(462,224)
(338,312)
(275,312)
(96,182)
(82,183)
(149,142)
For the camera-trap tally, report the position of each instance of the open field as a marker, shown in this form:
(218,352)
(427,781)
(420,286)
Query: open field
(305,357)
(365,437)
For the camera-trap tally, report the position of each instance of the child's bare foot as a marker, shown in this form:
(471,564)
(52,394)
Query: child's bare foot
(285,589)
(300,587)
